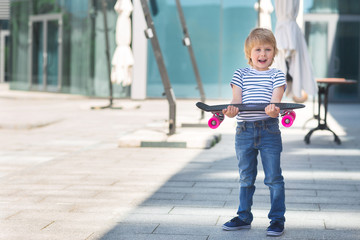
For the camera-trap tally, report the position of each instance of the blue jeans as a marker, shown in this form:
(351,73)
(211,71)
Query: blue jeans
(252,137)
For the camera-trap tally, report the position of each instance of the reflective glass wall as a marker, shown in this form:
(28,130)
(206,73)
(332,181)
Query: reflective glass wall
(59,45)
(332,30)
(217,28)
(19,44)
(4,50)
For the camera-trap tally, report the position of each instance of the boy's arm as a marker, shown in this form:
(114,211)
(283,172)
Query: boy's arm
(271,110)
(232,111)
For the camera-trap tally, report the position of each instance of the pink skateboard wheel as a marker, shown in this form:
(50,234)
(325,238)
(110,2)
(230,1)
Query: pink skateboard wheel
(215,121)
(288,118)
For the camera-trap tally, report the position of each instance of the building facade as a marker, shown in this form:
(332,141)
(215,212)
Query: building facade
(59,45)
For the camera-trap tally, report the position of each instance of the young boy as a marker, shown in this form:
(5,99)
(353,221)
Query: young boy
(258,131)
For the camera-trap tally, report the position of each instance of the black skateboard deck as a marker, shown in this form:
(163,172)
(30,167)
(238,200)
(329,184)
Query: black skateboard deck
(248,106)
(288,115)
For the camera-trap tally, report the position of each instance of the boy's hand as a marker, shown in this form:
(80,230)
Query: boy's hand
(230,111)
(272,111)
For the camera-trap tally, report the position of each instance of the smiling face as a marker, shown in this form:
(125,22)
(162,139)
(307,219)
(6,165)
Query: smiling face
(260,48)
(262,56)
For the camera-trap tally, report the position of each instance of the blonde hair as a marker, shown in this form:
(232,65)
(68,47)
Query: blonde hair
(259,36)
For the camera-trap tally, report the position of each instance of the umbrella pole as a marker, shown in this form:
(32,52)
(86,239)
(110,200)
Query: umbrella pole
(107,52)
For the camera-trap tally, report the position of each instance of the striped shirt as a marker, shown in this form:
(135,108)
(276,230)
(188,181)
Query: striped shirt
(257,87)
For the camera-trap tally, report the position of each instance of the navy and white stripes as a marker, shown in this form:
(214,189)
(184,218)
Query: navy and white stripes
(257,87)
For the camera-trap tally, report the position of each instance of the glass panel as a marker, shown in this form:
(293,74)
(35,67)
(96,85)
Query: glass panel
(98,67)
(217,44)
(76,45)
(83,45)
(52,54)
(202,19)
(340,60)
(242,15)
(45,6)
(37,54)
(332,6)
(316,34)
(7,58)
(19,45)
(345,58)
(4,24)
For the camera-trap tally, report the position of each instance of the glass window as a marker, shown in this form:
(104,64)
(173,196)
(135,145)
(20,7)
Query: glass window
(37,60)
(76,47)
(81,35)
(4,24)
(217,29)
(332,6)
(345,58)
(45,7)
(19,44)
(53,54)
(333,41)
(202,20)
(316,34)
(239,18)
(96,42)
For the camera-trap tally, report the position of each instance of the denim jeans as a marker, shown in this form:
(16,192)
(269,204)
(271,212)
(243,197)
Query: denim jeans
(264,137)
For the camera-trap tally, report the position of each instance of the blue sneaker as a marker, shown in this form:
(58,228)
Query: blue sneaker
(236,224)
(275,229)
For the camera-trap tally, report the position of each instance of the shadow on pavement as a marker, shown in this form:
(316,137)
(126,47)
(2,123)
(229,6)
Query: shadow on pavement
(322,195)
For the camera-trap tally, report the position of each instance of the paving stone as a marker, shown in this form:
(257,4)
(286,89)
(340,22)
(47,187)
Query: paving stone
(173,218)
(70,180)
(154,237)
(189,203)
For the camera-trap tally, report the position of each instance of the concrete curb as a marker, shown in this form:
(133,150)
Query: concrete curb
(182,139)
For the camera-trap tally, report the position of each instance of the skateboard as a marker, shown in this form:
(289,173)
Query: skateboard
(286,111)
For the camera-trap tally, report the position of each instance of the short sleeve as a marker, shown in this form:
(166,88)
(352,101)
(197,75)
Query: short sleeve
(279,80)
(237,79)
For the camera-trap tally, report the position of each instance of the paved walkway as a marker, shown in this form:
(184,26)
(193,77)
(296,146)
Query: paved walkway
(63,176)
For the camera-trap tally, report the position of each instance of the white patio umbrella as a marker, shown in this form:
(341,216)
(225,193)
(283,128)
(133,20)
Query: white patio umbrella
(265,8)
(293,49)
(123,59)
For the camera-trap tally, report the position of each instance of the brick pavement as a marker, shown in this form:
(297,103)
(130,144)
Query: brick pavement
(62,175)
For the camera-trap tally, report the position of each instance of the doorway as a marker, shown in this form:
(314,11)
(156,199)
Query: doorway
(4,54)
(45,52)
